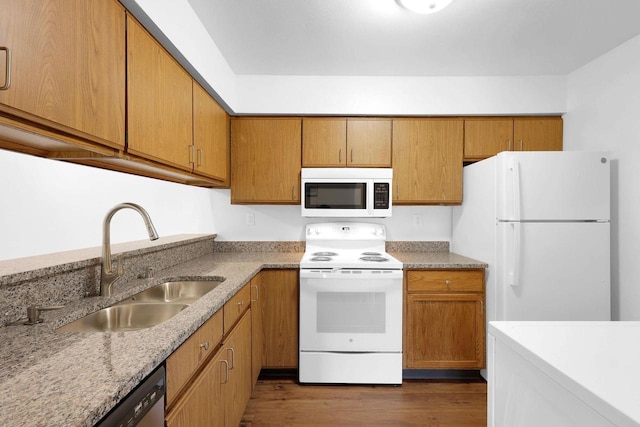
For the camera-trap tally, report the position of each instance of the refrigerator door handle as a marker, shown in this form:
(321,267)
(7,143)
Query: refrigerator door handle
(514,271)
(514,168)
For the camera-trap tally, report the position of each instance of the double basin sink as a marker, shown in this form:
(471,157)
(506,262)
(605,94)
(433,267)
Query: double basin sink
(144,309)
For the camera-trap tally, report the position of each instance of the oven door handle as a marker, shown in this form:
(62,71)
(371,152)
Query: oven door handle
(349,274)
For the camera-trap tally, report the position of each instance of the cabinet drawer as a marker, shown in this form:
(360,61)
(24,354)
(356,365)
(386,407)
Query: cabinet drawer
(191,354)
(445,281)
(236,306)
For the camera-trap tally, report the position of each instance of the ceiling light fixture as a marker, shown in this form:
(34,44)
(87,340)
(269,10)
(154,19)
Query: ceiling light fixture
(424,6)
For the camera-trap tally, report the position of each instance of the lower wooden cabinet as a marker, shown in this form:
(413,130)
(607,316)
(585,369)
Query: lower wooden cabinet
(257,328)
(218,392)
(280,318)
(444,319)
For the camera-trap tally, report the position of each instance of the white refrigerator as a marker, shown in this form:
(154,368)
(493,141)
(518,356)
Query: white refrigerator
(541,222)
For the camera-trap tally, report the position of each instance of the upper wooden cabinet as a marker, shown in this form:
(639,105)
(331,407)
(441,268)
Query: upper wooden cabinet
(67,66)
(210,136)
(265,160)
(537,133)
(487,136)
(339,142)
(427,161)
(159,99)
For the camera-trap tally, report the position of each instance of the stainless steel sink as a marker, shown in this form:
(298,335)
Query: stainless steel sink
(179,291)
(144,309)
(125,317)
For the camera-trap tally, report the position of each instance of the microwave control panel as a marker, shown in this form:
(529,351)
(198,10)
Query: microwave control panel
(381,195)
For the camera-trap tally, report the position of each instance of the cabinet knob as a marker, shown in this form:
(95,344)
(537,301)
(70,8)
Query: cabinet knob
(447,282)
(241,303)
(205,346)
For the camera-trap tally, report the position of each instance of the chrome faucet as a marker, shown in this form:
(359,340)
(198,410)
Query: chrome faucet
(107,276)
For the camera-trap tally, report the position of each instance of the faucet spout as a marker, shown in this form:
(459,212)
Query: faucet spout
(107,276)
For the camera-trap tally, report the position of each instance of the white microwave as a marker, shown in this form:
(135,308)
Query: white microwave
(346,192)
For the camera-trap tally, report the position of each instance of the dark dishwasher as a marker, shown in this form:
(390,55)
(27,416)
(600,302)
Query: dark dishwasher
(143,407)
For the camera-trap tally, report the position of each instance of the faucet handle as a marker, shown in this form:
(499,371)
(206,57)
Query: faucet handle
(33,313)
(120,271)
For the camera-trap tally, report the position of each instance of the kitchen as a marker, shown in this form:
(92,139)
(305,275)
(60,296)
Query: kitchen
(597,99)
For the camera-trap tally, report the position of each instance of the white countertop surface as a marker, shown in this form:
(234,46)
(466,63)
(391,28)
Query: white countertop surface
(599,362)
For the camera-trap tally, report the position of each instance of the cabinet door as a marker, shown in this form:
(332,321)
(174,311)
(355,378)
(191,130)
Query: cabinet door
(537,133)
(257,329)
(210,136)
(67,65)
(159,101)
(203,404)
(280,309)
(484,137)
(324,142)
(368,143)
(237,391)
(444,331)
(427,161)
(266,159)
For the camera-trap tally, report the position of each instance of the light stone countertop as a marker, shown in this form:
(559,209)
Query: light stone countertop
(51,379)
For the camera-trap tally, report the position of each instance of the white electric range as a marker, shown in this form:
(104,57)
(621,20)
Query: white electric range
(350,306)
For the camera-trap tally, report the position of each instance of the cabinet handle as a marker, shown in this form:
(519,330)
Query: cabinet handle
(233,357)
(520,145)
(241,303)
(481,307)
(257,292)
(352,155)
(7,76)
(510,144)
(340,155)
(191,155)
(205,346)
(226,377)
(447,282)
(293,192)
(397,191)
(199,157)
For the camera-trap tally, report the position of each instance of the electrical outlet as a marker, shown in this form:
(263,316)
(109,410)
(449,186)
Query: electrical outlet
(417,220)
(250,219)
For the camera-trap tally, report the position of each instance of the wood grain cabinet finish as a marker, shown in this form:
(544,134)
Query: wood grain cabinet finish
(444,319)
(346,142)
(211,143)
(487,136)
(257,328)
(236,306)
(160,92)
(537,133)
(266,160)
(221,387)
(427,161)
(190,356)
(280,318)
(67,66)
(219,394)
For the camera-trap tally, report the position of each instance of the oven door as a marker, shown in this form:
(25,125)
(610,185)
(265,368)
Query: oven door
(351,310)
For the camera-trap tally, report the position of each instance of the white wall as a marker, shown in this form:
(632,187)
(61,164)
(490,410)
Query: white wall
(604,114)
(50,206)
(286,223)
(247,94)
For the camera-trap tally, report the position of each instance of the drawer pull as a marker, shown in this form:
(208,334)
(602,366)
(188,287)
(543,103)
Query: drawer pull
(233,358)
(241,303)
(205,346)
(226,377)
(7,75)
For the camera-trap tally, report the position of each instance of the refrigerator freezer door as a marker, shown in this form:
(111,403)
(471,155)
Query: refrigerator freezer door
(553,271)
(567,185)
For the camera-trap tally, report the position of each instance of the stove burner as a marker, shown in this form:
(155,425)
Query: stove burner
(321,258)
(372,253)
(374,258)
(324,254)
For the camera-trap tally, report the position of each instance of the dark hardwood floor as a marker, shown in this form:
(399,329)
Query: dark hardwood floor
(283,402)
